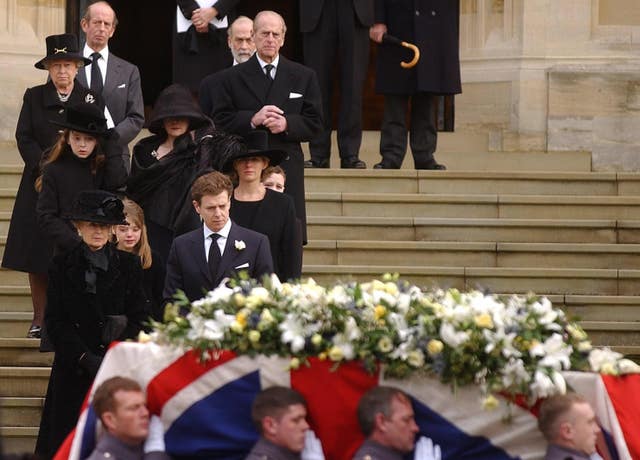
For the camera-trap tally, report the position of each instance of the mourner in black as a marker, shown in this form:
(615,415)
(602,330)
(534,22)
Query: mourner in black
(27,248)
(94,297)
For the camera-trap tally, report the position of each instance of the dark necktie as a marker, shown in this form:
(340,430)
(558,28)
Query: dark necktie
(214,255)
(96,75)
(267,71)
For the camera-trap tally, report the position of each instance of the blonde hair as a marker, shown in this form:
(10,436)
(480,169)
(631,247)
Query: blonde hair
(135,215)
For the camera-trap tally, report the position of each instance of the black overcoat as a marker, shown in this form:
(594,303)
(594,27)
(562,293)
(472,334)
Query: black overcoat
(27,248)
(75,320)
(432,25)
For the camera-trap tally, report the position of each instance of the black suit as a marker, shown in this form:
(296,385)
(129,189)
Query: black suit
(187,267)
(244,90)
(338,31)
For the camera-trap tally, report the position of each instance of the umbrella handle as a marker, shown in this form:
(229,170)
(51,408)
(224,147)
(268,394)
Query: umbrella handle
(416,55)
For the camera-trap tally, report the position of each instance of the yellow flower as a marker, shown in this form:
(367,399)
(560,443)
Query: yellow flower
(585,345)
(266,319)
(377,285)
(484,320)
(415,358)
(391,288)
(385,345)
(253,301)
(241,317)
(379,311)
(316,339)
(322,356)
(434,347)
(576,332)
(335,354)
(490,403)
(294,363)
(239,299)
(254,336)
(143,337)
(609,369)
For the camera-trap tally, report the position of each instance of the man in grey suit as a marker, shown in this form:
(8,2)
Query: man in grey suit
(117,80)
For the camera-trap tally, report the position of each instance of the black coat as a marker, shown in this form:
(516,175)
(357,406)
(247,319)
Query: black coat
(62,180)
(27,248)
(244,90)
(433,26)
(275,217)
(75,320)
(153,284)
(311,10)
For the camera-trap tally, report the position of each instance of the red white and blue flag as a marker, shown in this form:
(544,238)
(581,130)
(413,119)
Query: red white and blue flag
(206,408)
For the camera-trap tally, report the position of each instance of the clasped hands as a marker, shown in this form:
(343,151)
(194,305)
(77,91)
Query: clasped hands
(201,17)
(272,118)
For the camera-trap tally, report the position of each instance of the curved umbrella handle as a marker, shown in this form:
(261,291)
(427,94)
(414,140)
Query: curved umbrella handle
(396,41)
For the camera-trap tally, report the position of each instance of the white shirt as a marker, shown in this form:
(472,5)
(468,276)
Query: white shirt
(102,63)
(274,64)
(222,240)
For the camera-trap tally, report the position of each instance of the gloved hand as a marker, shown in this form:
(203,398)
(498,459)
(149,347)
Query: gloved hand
(155,439)
(426,450)
(312,447)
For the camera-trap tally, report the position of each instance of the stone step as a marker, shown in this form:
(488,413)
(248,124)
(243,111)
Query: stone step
(22,352)
(5,217)
(472,182)
(21,412)
(18,439)
(15,299)
(14,324)
(473,229)
(7,197)
(10,175)
(13,278)
(24,381)
(509,280)
(469,206)
(476,254)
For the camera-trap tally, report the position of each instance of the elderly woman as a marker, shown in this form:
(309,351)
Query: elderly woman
(27,249)
(94,297)
(164,164)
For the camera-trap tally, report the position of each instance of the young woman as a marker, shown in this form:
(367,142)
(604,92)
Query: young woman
(133,238)
(255,207)
(94,297)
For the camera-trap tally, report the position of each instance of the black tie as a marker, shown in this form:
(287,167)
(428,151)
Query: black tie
(267,71)
(214,255)
(96,75)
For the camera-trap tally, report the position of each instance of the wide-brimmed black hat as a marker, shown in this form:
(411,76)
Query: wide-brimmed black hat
(254,144)
(176,101)
(85,117)
(98,206)
(63,46)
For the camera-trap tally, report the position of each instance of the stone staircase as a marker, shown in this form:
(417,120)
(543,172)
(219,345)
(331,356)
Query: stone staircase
(574,236)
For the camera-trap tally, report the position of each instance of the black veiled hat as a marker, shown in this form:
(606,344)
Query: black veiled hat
(85,117)
(254,144)
(63,46)
(98,206)
(176,101)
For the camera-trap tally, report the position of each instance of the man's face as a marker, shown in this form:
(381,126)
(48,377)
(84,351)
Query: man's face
(214,210)
(130,420)
(100,27)
(399,430)
(241,41)
(268,36)
(584,428)
(288,431)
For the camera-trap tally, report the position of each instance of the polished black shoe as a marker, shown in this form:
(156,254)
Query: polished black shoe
(353,163)
(434,166)
(383,165)
(34,332)
(316,164)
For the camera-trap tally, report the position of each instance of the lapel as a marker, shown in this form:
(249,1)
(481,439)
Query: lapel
(50,96)
(230,254)
(82,76)
(255,79)
(278,94)
(114,69)
(197,251)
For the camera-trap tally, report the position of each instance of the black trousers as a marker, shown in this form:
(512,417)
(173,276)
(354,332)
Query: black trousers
(423,133)
(339,39)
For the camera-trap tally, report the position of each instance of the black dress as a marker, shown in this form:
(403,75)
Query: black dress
(76,319)
(275,217)
(27,248)
(153,284)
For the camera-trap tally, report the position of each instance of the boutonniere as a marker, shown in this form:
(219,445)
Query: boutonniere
(240,245)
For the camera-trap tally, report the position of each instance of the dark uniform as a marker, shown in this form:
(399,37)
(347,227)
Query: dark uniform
(433,26)
(555,452)
(111,448)
(371,450)
(266,450)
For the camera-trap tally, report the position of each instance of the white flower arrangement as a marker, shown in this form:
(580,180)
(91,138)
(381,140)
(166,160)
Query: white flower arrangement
(240,245)
(513,345)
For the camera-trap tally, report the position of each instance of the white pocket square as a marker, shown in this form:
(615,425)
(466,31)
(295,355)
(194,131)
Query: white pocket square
(122,85)
(244,265)
(294,95)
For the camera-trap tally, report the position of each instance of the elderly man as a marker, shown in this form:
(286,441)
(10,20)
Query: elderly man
(240,41)
(119,402)
(386,419)
(272,93)
(117,80)
(569,425)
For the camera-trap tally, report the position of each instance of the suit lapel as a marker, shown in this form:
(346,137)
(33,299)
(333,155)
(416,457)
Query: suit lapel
(282,84)
(114,68)
(255,79)
(229,256)
(82,77)
(197,251)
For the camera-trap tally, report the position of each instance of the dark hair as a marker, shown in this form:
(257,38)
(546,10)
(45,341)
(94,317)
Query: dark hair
(273,402)
(552,410)
(87,12)
(103,398)
(213,183)
(273,170)
(377,401)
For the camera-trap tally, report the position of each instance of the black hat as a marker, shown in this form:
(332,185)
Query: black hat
(63,46)
(254,144)
(98,206)
(85,117)
(176,101)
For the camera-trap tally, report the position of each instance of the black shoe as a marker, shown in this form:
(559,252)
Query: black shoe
(433,165)
(316,164)
(353,163)
(34,332)
(383,165)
